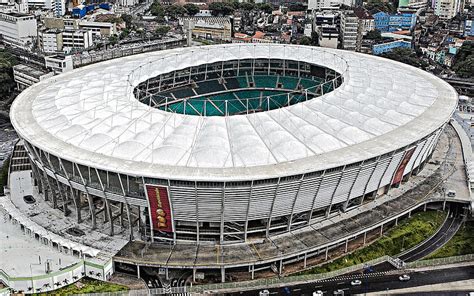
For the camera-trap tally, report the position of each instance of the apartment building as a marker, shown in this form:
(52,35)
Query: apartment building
(76,39)
(99,29)
(58,63)
(50,41)
(447,9)
(25,76)
(17,29)
(351,33)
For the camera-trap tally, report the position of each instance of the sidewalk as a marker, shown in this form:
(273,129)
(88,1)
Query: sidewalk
(444,287)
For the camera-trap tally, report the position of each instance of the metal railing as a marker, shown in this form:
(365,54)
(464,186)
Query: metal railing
(246,285)
(285,281)
(155,291)
(440,261)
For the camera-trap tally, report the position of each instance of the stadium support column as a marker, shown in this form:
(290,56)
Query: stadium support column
(223,274)
(152,232)
(290,220)
(75,199)
(222,215)
(127,208)
(109,215)
(271,210)
(49,188)
(90,201)
(328,211)
(247,212)
(130,222)
(57,184)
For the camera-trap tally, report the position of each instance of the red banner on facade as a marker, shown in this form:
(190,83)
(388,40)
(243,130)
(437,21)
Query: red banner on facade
(401,167)
(160,209)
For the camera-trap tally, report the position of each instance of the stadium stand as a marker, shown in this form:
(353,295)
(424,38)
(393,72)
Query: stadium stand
(265,81)
(288,82)
(209,86)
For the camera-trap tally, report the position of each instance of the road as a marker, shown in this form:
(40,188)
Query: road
(374,282)
(444,234)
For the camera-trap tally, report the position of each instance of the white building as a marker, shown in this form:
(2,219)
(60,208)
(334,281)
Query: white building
(215,28)
(43,4)
(99,29)
(18,29)
(351,34)
(59,7)
(59,63)
(9,6)
(76,39)
(328,36)
(127,3)
(318,4)
(25,76)
(50,41)
(447,9)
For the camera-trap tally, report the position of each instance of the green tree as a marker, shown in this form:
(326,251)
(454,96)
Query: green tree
(162,30)
(296,7)
(305,40)
(127,18)
(374,35)
(265,7)
(221,8)
(113,40)
(374,6)
(156,9)
(464,60)
(174,11)
(4,175)
(7,84)
(247,6)
(407,56)
(124,34)
(191,8)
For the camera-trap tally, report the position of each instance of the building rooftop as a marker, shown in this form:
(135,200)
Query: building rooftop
(30,71)
(15,14)
(362,13)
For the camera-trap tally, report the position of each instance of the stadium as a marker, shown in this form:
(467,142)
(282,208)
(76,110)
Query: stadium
(228,144)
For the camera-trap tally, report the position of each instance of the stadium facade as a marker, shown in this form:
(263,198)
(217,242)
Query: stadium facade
(231,143)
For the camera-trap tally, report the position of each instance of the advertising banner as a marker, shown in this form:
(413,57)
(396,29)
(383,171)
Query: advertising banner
(401,167)
(160,209)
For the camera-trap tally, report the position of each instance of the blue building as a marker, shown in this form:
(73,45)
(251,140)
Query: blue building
(385,22)
(79,11)
(381,20)
(378,49)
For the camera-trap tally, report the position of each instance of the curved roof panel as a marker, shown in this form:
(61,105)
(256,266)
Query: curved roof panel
(90,116)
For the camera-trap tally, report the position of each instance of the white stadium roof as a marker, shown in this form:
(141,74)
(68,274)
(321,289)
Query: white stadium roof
(91,116)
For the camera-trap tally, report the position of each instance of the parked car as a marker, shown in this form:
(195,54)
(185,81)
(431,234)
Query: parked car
(356,283)
(404,278)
